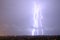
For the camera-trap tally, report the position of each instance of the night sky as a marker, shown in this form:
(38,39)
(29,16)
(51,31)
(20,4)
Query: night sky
(16,17)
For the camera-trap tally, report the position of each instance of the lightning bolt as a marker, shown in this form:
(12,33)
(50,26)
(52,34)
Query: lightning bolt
(35,18)
(35,30)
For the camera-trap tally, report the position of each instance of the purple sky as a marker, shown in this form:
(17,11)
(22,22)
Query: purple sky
(16,17)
